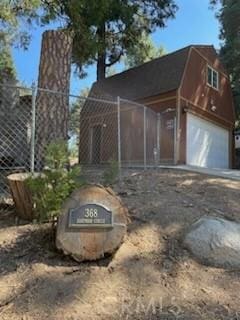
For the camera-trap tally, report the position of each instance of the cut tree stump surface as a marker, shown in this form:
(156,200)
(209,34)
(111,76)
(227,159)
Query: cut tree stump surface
(89,243)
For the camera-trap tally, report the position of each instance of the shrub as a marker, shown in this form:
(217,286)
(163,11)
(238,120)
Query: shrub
(51,187)
(111,173)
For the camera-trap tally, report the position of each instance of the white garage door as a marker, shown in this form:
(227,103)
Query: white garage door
(207,144)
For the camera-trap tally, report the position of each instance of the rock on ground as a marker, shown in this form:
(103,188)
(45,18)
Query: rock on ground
(215,241)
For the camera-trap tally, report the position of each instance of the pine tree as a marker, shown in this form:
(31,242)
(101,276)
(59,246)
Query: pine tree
(105,30)
(143,51)
(229,18)
(7,67)
(13,16)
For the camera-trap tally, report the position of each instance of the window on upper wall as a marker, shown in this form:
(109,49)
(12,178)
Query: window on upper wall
(212,78)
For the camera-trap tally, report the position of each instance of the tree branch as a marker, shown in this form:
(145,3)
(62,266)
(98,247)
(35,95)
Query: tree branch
(115,60)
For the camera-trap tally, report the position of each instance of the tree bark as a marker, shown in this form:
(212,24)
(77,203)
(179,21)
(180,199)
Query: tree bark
(101,67)
(52,108)
(21,195)
(92,243)
(101,59)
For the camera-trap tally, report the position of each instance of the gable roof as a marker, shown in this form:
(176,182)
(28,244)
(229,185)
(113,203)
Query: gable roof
(155,77)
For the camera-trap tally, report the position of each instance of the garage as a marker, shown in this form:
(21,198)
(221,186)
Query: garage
(207,143)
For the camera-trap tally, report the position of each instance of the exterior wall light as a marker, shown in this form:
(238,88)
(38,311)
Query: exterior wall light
(213,108)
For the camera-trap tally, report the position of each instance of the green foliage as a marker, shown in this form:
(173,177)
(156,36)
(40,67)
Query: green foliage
(73,151)
(229,18)
(111,173)
(105,30)
(51,187)
(111,71)
(56,155)
(75,109)
(7,68)
(143,51)
(15,17)
(10,11)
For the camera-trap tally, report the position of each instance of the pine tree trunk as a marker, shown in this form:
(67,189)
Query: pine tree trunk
(101,61)
(53,108)
(101,67)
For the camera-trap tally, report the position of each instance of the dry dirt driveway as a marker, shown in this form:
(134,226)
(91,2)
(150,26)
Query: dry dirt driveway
(150,277)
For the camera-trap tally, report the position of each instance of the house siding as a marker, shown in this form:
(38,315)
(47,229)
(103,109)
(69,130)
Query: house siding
(197,97)
(196,91)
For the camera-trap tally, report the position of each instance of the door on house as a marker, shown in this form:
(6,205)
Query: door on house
(167,136)
(96,139)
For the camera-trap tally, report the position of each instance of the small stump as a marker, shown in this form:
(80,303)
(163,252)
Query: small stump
(21,195)
(92,223)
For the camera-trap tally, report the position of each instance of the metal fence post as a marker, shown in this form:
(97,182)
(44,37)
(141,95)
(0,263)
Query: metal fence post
(158,136)
(33,128)
(175,140)
(144,139)
(119,137)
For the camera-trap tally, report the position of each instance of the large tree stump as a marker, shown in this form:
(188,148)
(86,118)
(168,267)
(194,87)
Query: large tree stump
(53,106)
(79,232)
(21,195)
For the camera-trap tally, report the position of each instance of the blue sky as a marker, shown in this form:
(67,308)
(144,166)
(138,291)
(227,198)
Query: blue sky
(195,23)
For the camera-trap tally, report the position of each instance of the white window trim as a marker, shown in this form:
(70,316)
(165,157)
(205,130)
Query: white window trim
(211,84)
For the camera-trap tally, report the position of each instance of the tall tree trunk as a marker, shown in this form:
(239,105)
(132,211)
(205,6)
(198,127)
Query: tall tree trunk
(101,60)
(101,67)
(53,108)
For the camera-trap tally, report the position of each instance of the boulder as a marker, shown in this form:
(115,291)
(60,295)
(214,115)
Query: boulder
(215,241)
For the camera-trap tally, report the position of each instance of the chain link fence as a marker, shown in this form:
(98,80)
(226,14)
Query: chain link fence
(99,131)
(15,133)
(138,135)
(126,132)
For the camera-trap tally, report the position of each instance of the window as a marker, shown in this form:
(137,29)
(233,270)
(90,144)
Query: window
(212,77)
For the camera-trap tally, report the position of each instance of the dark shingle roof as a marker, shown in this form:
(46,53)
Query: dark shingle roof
(152,78)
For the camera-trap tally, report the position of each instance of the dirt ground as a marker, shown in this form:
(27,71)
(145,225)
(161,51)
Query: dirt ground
(151,276)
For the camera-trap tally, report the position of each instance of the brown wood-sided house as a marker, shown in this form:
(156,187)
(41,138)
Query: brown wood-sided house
(193,115)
